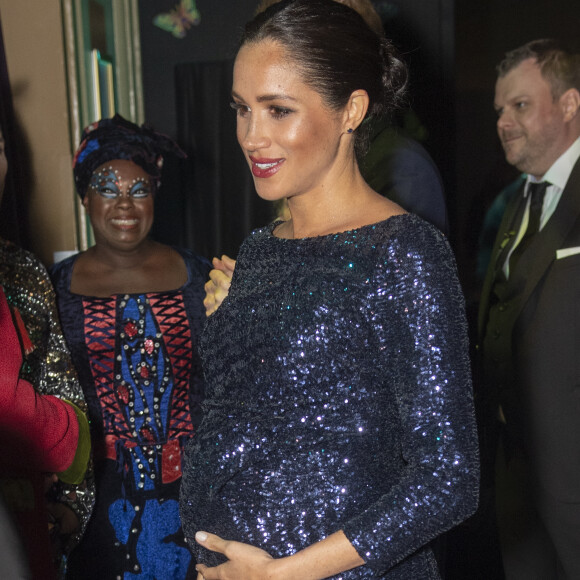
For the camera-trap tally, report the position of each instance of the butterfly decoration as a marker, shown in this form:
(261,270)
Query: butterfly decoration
(179,20)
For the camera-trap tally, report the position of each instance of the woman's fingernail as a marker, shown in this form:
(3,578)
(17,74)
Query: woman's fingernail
(201,537)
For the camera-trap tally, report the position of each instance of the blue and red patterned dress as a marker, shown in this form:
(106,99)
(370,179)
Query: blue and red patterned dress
(137,360)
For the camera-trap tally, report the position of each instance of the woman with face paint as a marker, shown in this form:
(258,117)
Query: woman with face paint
(131,310)
(338,437)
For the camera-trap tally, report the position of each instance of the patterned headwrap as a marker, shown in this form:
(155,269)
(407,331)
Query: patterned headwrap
(117,138)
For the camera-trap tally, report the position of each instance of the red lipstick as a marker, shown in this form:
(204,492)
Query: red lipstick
(264,168)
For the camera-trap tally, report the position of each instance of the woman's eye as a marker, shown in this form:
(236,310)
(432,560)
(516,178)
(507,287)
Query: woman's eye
(280,112)
(108,192)
(241,110)
(140,192)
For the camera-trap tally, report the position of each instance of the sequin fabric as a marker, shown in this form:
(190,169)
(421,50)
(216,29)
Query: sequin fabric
(48,367)
(338,397)
(137,360)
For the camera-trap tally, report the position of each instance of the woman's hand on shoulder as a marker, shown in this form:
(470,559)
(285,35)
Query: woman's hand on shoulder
(218,285)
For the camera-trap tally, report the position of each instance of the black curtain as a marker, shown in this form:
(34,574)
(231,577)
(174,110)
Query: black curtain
(215,203)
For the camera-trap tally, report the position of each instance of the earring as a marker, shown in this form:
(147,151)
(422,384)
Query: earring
(349,130)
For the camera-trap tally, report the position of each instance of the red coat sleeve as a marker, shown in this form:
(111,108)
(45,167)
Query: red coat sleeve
(38,432)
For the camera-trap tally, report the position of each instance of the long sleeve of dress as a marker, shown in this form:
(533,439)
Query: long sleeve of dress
(417,289)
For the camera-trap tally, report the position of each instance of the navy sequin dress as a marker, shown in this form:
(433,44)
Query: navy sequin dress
(338,397)
(137,360)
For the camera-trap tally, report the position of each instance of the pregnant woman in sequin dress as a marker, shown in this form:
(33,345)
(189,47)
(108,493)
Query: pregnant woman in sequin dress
(338,436)
(132,311)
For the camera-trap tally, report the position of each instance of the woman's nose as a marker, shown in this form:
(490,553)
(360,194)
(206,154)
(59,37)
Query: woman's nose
(124,199)
(252,134)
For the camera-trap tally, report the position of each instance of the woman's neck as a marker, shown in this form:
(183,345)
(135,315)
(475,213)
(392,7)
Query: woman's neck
(346,204)
(114,258)
(103,271)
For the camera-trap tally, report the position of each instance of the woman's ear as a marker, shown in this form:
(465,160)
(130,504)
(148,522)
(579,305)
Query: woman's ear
(356,109)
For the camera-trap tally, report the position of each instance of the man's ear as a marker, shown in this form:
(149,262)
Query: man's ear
(570,102)
(356,109)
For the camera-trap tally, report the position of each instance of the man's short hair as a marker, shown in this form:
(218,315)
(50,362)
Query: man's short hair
(558,65)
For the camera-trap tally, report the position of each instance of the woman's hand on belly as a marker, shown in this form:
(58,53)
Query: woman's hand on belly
(244,561)
(330,556)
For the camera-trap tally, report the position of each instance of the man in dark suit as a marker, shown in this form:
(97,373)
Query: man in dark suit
(529,319)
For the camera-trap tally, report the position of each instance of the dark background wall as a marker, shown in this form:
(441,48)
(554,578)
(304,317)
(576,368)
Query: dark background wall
(213,39)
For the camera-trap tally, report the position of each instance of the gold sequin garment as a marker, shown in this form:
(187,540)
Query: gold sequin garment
(48,367)
(338,397)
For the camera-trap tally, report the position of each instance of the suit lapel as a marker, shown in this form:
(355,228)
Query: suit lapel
(542,251)
(506,233)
